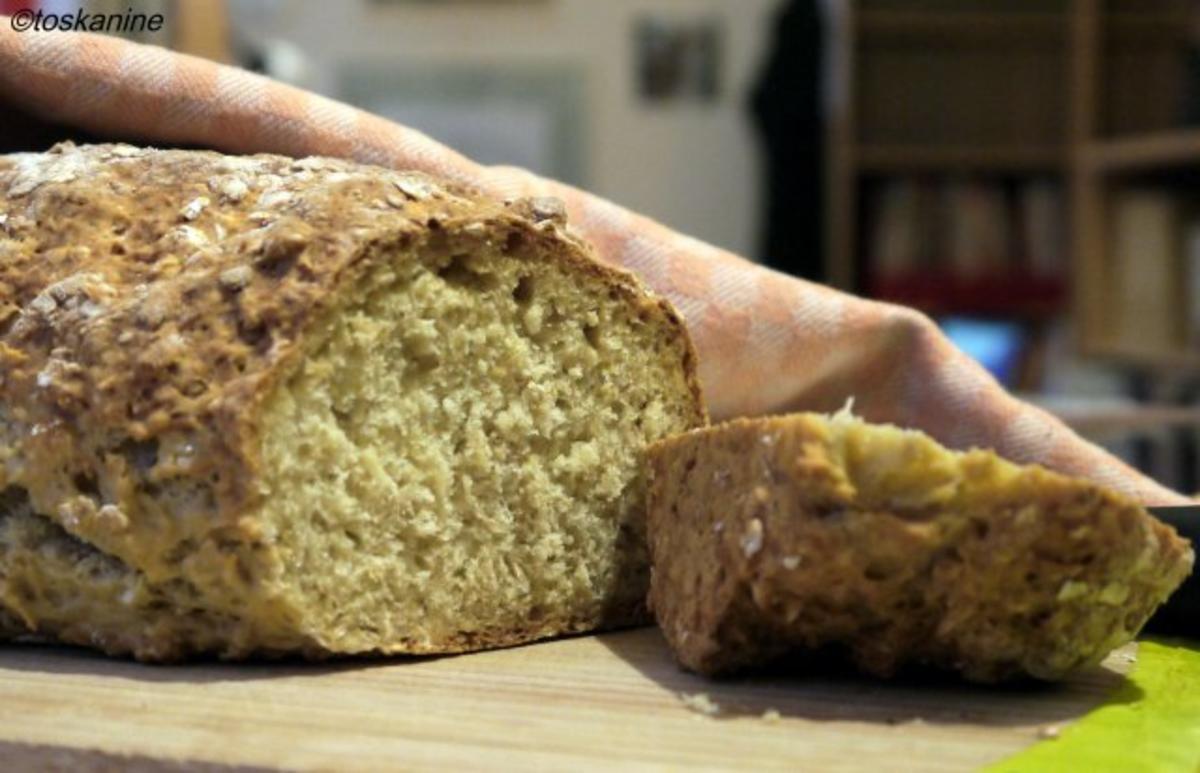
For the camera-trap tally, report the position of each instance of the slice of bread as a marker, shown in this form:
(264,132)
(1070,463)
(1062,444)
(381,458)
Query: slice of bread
(257,405)
(774,536)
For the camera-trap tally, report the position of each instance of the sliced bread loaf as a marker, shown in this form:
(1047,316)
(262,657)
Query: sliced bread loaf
(773,536)
(259,405)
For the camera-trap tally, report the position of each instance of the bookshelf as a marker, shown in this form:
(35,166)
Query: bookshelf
(990,100)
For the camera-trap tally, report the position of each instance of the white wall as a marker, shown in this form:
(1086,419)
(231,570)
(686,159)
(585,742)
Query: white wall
(693,166)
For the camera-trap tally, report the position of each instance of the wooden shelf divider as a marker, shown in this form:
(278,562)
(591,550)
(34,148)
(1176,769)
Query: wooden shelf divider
(918,158)
(1157,24)
(1144,152)
(1169,360)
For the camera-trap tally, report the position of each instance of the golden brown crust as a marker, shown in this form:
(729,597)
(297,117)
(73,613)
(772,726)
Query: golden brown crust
(150,299)
(777,535)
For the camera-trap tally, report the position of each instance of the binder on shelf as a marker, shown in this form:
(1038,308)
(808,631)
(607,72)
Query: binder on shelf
(1144,282)
(894,237)
(903,236)
(978,240)
(1040,217)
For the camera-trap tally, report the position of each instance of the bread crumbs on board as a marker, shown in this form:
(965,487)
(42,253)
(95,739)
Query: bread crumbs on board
(700,703)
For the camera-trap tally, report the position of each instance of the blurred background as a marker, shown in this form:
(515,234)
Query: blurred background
(1021,170)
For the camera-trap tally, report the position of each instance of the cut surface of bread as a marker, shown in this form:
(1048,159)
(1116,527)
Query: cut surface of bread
(253,405)
(777,536)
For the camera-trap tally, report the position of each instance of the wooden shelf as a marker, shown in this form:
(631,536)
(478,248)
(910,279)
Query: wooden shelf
(1156,24)
(1104,416)
(970,23)
(1172,360)
(921,158)
(1143,153)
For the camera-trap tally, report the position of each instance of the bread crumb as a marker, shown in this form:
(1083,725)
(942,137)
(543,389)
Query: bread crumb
(1049,732)
(700,703)
(770,715)
(752,540)
(1125,656)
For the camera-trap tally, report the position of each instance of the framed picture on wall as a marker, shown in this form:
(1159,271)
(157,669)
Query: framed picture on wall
(678,60)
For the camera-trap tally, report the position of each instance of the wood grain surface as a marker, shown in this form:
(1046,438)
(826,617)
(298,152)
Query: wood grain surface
(584,703)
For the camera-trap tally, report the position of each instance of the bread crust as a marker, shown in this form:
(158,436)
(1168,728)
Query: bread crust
(776,536)
(151,299)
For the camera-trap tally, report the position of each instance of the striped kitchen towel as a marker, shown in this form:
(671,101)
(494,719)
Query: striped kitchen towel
(767,342)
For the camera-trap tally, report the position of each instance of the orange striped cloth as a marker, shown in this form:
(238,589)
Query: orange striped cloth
(767,342)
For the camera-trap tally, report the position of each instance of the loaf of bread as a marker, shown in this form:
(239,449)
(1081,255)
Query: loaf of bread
(776,536)
(256,405)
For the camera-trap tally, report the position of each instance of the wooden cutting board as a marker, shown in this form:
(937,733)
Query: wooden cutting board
(587,702)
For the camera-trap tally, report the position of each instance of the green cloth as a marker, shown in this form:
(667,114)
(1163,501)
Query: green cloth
(1151,723)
